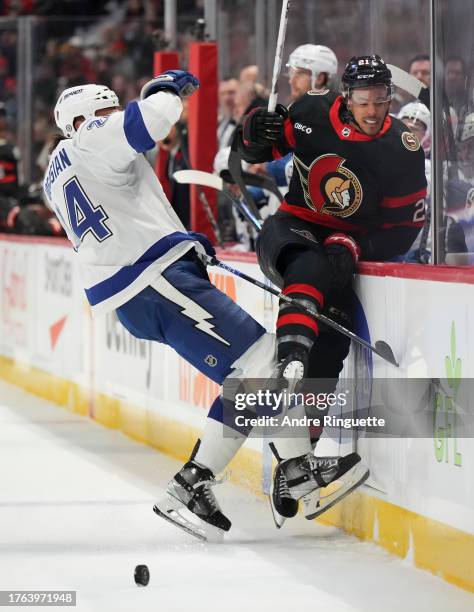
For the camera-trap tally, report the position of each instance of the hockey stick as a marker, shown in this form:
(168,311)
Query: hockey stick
(256,180)
(406,81)
(210,217)
(278,55)
(199,177)
(206,179)
(381,348)
(235,163)
(235,169)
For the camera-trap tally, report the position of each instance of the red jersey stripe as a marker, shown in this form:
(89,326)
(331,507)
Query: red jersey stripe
(403,224)
(276,153)
(289,134)
(405,200)
(306,289)
(298,319)
(7,165)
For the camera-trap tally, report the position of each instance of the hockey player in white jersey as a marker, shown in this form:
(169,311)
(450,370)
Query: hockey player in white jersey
(137,259)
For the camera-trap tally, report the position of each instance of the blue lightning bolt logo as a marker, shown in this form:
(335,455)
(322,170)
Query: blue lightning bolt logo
(190,309)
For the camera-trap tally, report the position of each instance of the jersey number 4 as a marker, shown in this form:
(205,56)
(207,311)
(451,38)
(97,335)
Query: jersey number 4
(83,215)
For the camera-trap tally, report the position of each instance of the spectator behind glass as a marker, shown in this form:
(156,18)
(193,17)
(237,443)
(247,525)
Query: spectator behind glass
(227,97)
(420,67)
(9,157)
(249,74)
(465,148)
(248,97)
(458,218)
(455,84)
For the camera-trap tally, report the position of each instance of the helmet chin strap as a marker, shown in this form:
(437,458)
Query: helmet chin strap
(348,117)
(346,114)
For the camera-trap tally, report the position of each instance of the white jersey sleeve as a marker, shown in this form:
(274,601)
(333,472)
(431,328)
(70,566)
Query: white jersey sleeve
(109,200)
(121,136)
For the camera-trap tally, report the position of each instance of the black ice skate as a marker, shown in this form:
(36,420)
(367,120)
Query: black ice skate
(282,503)
(189,498)
(307,478)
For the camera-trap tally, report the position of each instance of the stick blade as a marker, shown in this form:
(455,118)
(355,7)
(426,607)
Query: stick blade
(406,81)
(198,177)
(384,350)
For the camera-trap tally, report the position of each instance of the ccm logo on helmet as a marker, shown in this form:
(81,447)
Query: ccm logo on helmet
(303,128)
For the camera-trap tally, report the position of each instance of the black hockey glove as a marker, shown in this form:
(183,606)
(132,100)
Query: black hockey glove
(264,128)
(343,254)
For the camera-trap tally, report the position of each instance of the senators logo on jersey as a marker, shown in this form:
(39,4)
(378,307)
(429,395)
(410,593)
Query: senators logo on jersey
(410,141)
(329,187)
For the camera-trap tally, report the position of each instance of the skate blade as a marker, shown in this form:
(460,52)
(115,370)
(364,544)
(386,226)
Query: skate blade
(278,519)
(175,512)
(352,479)
(311,502)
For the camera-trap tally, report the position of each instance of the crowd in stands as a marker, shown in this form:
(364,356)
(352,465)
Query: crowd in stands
(108,42)
(114,46)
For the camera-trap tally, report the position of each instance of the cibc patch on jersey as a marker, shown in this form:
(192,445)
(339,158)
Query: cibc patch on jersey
(329,187)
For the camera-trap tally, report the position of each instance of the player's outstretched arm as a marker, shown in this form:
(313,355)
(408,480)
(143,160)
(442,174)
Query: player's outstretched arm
(123,135)
(160,103)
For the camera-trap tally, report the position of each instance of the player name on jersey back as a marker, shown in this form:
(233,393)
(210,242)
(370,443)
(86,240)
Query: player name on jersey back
(57,164)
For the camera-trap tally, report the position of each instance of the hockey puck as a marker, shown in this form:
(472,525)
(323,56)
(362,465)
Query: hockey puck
(142,575)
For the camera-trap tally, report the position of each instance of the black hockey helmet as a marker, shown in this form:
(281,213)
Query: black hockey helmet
(365,71)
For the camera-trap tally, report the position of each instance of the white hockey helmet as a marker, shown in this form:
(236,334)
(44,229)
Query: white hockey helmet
(316,58)
(83,100)
(467,131)
(416,111)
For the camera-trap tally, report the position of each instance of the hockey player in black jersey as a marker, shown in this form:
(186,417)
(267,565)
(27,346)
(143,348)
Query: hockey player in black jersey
(357,192)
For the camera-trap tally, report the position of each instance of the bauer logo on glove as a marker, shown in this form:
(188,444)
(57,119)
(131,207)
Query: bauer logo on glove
(180,82)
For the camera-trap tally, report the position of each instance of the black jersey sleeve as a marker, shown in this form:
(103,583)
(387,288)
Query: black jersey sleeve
(401,212)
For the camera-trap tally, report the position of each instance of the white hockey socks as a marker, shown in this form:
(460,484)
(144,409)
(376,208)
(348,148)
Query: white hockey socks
(219,445)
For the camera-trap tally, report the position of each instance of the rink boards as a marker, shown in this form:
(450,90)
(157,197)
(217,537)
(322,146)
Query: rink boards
(419,501)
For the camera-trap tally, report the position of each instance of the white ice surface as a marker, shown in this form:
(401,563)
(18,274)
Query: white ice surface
(76,513)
